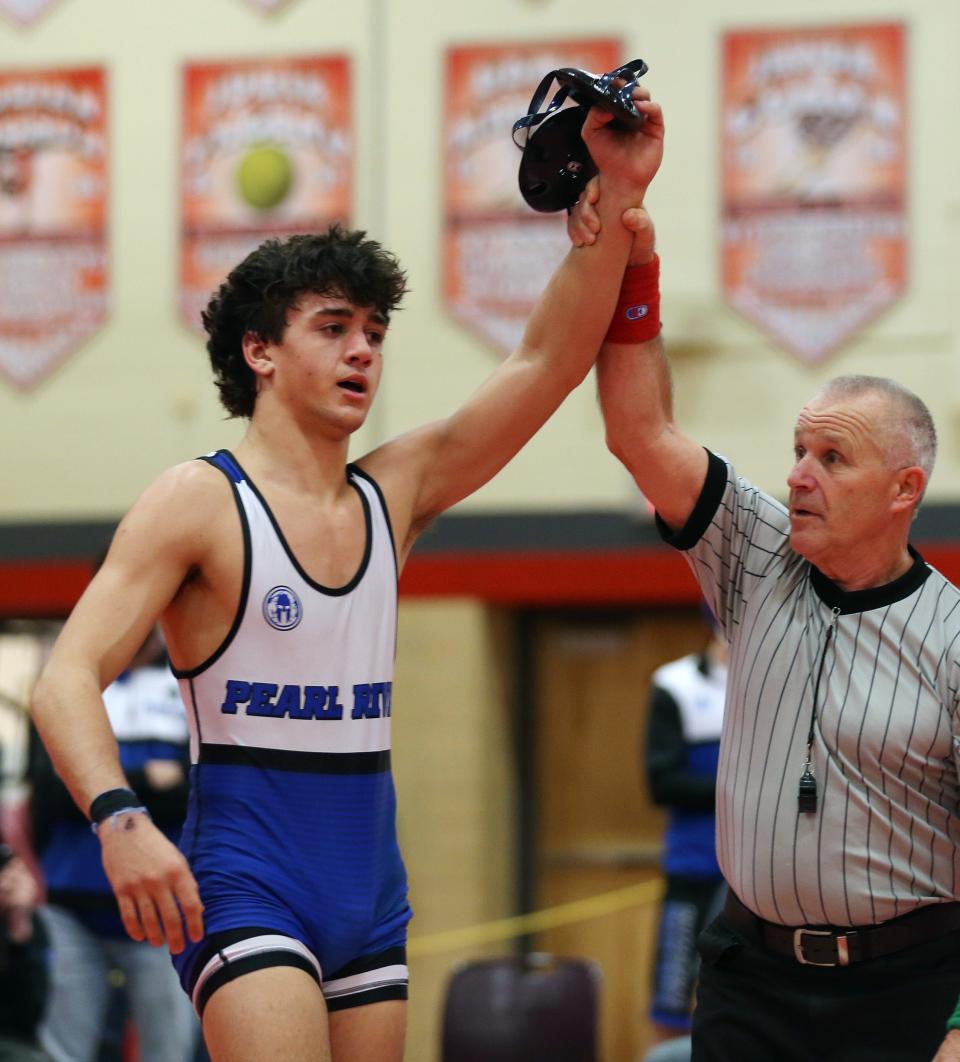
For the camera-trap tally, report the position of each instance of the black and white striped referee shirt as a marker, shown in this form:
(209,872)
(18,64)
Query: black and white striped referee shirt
(885,837)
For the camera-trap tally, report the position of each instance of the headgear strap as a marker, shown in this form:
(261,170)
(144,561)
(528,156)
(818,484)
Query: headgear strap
(556,163)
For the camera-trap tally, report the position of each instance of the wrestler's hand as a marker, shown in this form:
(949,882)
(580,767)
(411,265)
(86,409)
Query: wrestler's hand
(583,224)
(950,1048)
(627,161)
(155,890)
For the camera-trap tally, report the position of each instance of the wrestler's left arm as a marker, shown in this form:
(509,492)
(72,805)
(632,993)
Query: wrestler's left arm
(432,468)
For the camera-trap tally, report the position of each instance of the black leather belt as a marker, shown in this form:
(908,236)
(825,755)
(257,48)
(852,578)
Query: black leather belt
(843,945)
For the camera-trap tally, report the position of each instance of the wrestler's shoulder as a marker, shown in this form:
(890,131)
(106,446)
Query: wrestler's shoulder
(192,491)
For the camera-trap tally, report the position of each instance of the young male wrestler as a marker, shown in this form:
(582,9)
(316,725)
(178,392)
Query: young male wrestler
(280,624)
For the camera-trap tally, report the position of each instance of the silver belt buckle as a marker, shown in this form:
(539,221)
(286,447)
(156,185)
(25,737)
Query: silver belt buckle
(843,953)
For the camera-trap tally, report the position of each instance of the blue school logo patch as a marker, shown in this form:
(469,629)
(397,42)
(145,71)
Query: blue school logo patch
(282,608)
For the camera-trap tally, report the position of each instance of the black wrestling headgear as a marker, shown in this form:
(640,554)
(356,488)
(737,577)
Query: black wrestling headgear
(556,163)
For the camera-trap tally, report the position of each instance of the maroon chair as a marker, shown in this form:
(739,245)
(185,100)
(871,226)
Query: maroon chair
(541,1008)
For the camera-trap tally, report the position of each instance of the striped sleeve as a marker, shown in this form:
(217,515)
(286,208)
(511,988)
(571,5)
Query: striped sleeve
(736,537)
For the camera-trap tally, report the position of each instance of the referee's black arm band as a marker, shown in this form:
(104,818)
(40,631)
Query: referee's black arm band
(714,485)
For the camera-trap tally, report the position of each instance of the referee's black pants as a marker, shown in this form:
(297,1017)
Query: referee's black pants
(755,1006)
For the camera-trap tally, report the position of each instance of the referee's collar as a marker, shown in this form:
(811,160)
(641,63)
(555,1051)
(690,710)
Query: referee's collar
(848,601)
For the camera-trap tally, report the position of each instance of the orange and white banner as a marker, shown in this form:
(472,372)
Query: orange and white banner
(267,151)
(53,217)
(814,180)
(498,253)
(25,11)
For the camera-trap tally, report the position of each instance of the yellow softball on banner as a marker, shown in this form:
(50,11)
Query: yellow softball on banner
(264,176)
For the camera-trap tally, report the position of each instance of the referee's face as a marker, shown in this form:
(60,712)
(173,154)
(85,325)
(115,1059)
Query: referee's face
(842,488)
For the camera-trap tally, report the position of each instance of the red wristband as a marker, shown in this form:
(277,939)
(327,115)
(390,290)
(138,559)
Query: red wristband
(637,316)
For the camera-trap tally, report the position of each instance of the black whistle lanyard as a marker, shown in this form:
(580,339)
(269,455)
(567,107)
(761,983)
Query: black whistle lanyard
(807,793)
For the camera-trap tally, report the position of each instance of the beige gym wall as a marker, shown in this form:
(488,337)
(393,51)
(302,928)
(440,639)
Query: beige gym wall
(136,397)
(455,775)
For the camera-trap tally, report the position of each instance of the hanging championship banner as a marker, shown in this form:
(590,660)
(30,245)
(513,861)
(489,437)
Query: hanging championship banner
(25,11)
(267,151)
(498,253)
(53,209)
(814,180)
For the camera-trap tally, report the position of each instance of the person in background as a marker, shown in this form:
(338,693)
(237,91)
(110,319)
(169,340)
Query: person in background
(23,961)
(682,750)
(81,915)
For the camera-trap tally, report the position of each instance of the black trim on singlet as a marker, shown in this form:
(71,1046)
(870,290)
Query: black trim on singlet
(196,711)
(704,511)
(355,470)
(214,942)
(196,789)
(364,996)
(849,601)
(192,672)
(330,591)
(295,760)
(234,968)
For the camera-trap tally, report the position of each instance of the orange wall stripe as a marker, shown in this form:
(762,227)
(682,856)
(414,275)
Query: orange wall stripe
(517,579)
(42,587)
(554,578)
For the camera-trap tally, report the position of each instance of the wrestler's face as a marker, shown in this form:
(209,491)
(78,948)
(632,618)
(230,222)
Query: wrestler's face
(327,366)
(843,492)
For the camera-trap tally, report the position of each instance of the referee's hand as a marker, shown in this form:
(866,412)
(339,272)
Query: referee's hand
(583,224)
(950,1048)
(155,890)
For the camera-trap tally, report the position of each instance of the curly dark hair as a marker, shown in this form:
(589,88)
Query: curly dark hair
(259,293)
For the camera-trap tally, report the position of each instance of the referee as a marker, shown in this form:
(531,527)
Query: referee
(837,791)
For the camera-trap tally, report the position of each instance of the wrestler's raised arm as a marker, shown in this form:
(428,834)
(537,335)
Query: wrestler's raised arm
(432,468)
(634,382)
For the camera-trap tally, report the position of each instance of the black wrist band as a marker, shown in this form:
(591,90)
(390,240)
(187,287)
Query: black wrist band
(112,801)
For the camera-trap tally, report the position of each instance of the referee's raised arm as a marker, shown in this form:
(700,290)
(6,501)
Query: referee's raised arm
(633,378)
